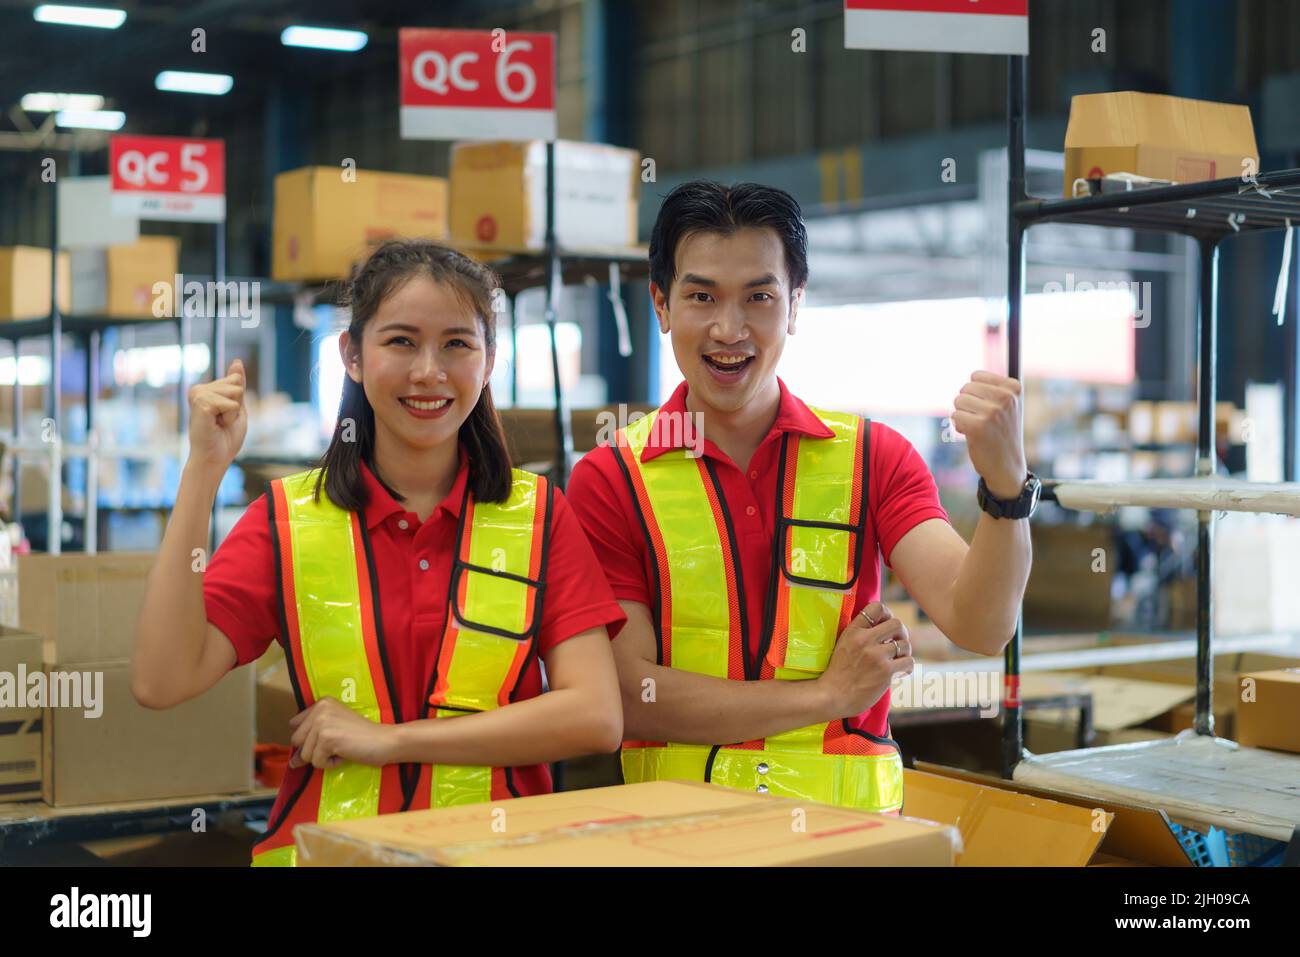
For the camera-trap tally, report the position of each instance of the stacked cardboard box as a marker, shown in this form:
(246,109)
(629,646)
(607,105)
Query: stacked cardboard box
(105,747)
(327,219)
(20,724)
(119,280)
(1268,714)
(498,195)
(25,282)
(1159,137)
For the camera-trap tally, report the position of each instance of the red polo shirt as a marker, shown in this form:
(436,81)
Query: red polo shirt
(901,495)
(239,592)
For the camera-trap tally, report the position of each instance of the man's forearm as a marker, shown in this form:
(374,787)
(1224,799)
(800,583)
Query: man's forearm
(990,584)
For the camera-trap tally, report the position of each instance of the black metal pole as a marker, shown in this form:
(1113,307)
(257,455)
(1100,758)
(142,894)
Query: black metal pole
(54,527)
(563,429)
(1013,732)
(18,430)
(91,532)
(1207,325)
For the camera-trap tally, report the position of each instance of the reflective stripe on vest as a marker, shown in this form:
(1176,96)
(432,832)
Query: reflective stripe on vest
(334,643)
(701,626)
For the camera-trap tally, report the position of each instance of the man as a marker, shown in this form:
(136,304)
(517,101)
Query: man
(756,654)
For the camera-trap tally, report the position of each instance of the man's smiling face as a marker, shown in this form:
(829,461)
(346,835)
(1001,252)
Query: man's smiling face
(728,312)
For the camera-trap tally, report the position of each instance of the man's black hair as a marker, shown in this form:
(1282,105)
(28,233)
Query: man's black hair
(706,206)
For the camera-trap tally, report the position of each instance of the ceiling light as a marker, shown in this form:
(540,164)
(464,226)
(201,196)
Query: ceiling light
(178,81)
(91,119)
(104,18)
(323,38)
(53,102)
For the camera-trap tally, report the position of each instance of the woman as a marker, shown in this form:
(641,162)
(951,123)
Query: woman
(412,577)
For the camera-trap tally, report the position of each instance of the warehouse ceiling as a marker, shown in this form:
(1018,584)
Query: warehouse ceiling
(242,39)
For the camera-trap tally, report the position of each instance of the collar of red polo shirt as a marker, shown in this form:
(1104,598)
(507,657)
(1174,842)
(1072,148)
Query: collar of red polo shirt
(791,416)
(381,504)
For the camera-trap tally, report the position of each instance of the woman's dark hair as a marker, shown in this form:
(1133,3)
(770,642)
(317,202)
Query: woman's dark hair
(705,206)
(389,267)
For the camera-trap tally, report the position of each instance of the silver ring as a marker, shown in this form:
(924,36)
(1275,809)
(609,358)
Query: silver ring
(870,621)
(896,648)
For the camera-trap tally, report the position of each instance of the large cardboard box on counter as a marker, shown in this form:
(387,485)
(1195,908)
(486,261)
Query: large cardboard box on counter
(131,753)
(1010,823)
(1157,136)
(323,224)
(86,607)
(20,728)
(25,282)
(659,823)
(118,280)
(498,194)
(1270,716)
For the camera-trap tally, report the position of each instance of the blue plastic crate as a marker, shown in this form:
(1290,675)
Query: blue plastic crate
(1217,848)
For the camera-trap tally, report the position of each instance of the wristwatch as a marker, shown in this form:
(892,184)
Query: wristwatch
(1021,506)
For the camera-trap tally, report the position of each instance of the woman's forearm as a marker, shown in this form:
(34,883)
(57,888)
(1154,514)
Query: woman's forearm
(563,723)
(173,626)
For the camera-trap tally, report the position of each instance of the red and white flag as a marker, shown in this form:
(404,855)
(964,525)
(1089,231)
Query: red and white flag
(939,26)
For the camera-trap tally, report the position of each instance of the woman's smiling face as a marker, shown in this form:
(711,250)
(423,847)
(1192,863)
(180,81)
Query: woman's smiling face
(423,363)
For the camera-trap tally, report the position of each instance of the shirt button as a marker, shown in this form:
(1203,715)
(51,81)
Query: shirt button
(751,511)
(424,564)
(403,524)
(753,474)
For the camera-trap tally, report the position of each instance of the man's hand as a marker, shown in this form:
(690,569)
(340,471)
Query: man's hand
(865,660)
(987,411)
(329,733)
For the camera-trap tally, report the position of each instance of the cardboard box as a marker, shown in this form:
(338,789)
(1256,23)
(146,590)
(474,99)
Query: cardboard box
(1002,828)
(323,225)
(86,607)
(1161,137)
(20,728)
(275,705)
(119,280)
(1255,562)
(498,194)
(1272,719)
(659,823)
(25,282)
(1133,835)
(131,753)
(1063,591)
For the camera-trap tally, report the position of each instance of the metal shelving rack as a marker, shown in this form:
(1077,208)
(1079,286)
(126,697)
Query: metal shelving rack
(90,328)
(1208,212)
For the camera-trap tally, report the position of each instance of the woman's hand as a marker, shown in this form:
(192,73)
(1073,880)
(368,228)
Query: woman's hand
(329,733)
(218,421)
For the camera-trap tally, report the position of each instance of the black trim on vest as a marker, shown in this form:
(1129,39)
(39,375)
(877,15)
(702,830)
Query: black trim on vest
(279,596)
(510,782)
(289,805)
(408,774)
(708,765)
(844,722)
(751,668)
(784,523)
(657,611)
(534,627)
